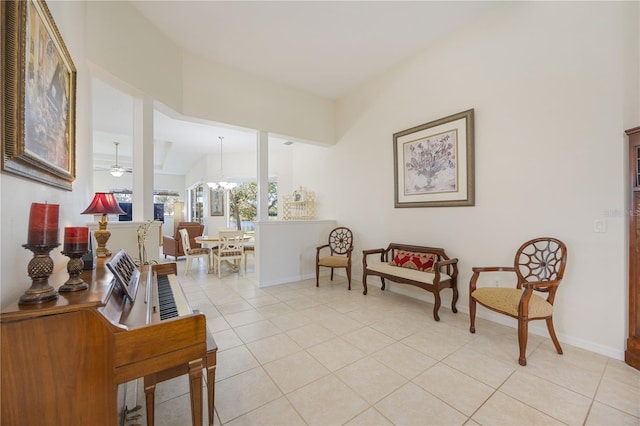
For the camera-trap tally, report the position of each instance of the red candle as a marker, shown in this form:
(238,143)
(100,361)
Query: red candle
(43,224)
(76,239)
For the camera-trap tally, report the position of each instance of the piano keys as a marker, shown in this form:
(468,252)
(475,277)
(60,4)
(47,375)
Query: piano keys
(61,361)
(169,305)
(166,301)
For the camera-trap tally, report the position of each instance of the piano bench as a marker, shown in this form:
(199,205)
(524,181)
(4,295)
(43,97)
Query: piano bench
(209,363)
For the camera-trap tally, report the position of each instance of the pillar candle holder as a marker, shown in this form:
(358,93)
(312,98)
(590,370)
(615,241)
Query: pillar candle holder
(74,268)
(39,269)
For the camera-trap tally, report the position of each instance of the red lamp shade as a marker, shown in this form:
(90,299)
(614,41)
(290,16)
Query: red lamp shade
(104,203)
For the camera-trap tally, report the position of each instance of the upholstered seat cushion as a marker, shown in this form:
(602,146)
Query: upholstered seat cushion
(506,300)
(216,252)
(410,274)
(334,261)
(197,251)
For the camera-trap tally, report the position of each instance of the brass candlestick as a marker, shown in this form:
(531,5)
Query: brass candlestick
(74,268)
(39,270)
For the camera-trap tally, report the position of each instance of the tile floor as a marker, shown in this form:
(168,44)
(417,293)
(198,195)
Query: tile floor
(294,354)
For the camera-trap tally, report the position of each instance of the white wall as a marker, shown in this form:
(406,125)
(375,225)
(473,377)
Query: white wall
(242,99)
(104,182)
(235,166)
(280,166)
(170,183)
(286,250)
(196,174)
(122,42)
(548,82)
(311,167)
(17,194)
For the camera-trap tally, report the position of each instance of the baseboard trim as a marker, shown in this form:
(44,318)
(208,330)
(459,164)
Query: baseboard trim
(535,327)
(286,280)
(464,308)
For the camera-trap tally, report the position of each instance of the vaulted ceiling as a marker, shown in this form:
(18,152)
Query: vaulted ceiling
(327,48)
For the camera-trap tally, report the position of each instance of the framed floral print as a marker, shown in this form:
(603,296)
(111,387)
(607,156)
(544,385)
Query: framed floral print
(434,163)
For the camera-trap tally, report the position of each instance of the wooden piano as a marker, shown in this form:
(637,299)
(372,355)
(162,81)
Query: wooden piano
(61,361)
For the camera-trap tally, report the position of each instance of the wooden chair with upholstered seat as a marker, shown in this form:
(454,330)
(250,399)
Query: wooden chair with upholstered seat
(340,247)
(193,253)
(539,267)
(230,249)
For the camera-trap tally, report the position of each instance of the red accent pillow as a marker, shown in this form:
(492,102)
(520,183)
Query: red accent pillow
(412,260)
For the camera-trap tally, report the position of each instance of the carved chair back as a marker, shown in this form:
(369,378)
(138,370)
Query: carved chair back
(340,241)
(541,260)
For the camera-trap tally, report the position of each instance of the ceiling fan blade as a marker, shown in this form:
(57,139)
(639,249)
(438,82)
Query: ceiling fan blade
(115,169)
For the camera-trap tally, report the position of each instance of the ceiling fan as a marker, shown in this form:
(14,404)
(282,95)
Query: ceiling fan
(116,170)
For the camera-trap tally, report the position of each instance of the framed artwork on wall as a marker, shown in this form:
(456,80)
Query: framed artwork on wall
(433,163)
(216,198)
(38,140)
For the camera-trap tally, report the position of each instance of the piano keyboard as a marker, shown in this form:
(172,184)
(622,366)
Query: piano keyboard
(170,306)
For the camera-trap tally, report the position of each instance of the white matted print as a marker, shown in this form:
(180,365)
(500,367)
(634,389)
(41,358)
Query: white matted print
(434,163)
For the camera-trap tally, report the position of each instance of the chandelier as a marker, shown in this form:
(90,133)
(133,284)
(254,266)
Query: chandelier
(221,185)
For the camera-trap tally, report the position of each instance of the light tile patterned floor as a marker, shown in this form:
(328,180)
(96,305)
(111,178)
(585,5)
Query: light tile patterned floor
(295,354)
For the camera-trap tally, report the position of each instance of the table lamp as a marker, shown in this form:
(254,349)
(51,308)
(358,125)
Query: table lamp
(103,203)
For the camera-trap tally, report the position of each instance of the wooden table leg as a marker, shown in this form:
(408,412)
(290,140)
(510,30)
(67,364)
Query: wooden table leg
(211,384)
(149,393)
(195,388)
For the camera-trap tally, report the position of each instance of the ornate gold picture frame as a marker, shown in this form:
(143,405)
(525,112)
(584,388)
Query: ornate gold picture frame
(38,95)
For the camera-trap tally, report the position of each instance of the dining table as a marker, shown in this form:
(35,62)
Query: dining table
(212,241)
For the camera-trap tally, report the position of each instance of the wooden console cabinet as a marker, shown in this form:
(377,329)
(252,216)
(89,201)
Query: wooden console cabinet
(632,353)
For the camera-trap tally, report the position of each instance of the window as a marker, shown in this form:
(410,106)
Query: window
(167,198)
(196,203)
(243,204)
(160,196)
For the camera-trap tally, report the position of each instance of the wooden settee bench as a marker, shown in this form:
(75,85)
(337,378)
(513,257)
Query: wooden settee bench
(426,267)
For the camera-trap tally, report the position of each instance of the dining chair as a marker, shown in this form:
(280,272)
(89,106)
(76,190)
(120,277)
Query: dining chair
(193,253)
(230,248)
